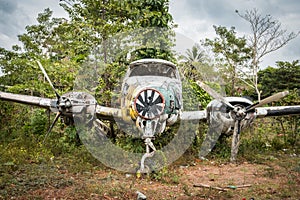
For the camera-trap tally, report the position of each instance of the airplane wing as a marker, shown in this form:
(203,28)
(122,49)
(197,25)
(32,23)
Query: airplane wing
(193,115)
(277,111)
(102,112)
(107,113)
(260,112)
(26,99)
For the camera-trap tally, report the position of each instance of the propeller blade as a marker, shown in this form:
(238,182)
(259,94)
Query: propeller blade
(216,124)
(52,125)
(48,79)
(235,140)
(214,94)
(210,140)
(267,100)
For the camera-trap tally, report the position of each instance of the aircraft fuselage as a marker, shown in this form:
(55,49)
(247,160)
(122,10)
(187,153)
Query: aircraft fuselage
(151,93)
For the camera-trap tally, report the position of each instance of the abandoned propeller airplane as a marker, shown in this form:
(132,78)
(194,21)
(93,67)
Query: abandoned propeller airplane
(151,100)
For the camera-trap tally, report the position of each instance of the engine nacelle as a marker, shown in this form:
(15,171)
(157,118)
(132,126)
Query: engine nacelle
(219,112)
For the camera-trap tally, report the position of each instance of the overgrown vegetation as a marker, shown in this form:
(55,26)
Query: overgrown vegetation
(29,166)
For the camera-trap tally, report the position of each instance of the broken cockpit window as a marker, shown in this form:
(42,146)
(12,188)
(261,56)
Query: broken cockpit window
(153,69)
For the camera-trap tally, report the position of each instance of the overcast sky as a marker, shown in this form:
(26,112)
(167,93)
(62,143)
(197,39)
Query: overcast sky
(195,19)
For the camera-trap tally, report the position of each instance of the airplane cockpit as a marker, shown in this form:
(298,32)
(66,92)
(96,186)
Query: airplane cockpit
(153,68)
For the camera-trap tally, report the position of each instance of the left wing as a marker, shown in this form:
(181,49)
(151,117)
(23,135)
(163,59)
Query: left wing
(193,115)
(277,111)
(226,115)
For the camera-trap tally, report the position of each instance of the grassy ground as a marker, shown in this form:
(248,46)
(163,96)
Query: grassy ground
(267,165)
(274,177)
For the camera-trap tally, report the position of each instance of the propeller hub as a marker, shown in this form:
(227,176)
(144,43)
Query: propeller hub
(239,112)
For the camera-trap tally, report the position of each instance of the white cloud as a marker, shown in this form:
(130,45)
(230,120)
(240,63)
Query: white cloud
(16,15)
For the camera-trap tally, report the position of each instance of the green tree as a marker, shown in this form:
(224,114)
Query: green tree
(64,45)
(286,76)
(232,52)
(49,42)
(106,18)
(195,54)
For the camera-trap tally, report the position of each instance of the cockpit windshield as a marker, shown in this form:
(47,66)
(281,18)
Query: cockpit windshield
(153,69)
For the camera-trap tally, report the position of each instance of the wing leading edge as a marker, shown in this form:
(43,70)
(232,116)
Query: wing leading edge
(277,111)
(26,99)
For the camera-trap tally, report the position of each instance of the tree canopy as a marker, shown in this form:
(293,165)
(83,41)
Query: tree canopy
(286,76)
(233,53)
(63,44)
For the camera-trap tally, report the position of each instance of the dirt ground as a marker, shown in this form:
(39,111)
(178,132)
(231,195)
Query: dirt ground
(275,179)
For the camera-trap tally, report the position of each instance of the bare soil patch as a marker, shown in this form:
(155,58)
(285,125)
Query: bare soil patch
(276,179)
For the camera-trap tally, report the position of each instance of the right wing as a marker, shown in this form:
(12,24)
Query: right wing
(108,113)
(27,99)
(102,112)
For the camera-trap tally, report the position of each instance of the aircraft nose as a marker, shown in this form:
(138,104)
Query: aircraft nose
(149,103)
